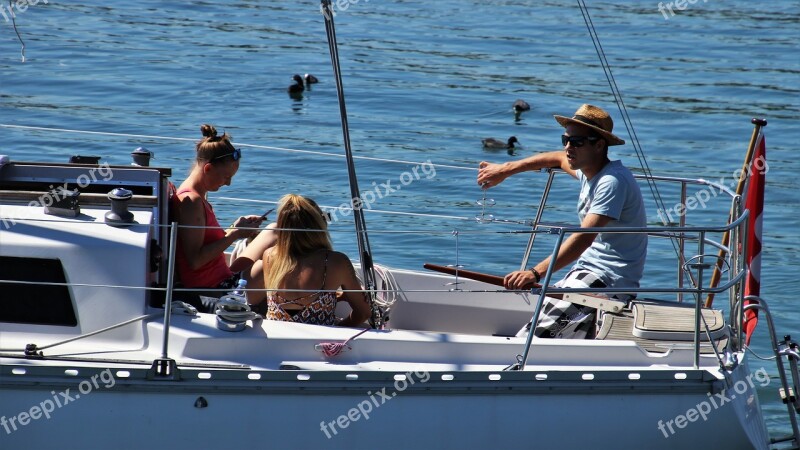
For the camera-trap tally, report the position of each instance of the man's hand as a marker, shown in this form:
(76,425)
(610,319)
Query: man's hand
(520,279)
(490,175)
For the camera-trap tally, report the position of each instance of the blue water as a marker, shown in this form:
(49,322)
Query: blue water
(425,81)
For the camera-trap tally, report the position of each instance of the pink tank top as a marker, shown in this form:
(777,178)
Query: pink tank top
(214,272)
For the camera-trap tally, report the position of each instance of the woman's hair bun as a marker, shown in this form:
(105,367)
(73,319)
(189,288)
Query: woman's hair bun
(208,131)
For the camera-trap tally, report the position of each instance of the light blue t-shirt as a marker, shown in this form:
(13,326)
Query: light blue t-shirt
(617,258)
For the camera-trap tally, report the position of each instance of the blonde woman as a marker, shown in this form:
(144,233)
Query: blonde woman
(302,272)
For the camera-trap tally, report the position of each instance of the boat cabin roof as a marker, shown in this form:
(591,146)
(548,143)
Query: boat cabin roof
(51,236)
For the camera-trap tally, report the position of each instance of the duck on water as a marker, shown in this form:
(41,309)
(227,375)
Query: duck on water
(492,143)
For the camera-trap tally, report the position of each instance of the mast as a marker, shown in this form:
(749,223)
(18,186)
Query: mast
(364,252)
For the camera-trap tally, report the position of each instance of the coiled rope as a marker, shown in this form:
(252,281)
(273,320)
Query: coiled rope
(330,349)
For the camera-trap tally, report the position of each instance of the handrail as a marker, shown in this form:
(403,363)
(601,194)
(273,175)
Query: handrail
(763,306)
(679,232)
(639,230)
(540,302)
(538,218)
(694,181)
(698,291)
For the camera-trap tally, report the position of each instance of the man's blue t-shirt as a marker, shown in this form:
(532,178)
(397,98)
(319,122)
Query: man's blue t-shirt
(618,258)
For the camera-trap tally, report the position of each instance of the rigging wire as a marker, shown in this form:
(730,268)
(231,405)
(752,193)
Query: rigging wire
(620,103)
(14,22)
(371,210)
(623,110)
(365,254)
(266,147)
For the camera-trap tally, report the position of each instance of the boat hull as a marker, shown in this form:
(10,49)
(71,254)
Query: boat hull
(337,409)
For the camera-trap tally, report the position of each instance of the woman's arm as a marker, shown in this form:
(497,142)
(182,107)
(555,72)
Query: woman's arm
(254,251)
(345,276)
(193,214)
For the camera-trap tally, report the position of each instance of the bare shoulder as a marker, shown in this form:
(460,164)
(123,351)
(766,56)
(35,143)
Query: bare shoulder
(187,194)
(339,263)
(191,211)
(190,202)
(339,259)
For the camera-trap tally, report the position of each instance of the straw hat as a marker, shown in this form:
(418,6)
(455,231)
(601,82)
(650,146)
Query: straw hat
(596,119)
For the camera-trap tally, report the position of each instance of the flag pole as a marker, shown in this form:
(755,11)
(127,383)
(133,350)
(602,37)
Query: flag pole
(715,277)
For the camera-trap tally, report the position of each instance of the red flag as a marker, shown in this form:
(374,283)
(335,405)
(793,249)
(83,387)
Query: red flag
(754,201)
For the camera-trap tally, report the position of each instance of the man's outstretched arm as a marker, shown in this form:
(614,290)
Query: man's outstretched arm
(490,174)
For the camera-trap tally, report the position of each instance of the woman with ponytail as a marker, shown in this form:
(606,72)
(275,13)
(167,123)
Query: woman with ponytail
(302,272)
(200,255)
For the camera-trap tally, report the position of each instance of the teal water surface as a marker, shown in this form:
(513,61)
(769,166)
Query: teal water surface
(424,81)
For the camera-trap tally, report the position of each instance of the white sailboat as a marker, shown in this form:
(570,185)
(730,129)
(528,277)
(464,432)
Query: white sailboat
(90,359)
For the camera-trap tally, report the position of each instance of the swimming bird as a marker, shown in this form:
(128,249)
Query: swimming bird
(297,87)
(521,105)
(310,79)
(498,144)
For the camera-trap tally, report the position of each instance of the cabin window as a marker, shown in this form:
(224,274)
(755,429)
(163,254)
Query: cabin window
(34,303)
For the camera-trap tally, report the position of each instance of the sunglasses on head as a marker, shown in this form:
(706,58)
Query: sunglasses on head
(235,155)
(577,141)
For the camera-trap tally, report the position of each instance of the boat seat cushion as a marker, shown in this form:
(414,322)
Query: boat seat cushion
(674,321)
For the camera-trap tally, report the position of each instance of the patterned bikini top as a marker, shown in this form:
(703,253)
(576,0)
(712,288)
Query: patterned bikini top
(320,311)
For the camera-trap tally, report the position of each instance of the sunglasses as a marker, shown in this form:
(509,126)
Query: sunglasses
(577,141)
(236,154)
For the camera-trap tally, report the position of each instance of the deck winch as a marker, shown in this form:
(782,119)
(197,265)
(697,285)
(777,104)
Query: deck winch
(141,157)
(119,214)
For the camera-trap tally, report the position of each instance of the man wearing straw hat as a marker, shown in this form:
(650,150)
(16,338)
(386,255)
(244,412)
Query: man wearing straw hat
(609,196)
